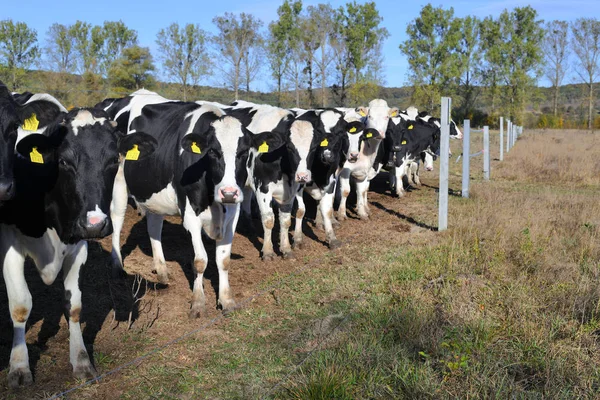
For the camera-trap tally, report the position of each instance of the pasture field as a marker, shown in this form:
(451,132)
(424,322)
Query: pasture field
(505,304)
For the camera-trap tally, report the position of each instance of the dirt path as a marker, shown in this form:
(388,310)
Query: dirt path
(161,314)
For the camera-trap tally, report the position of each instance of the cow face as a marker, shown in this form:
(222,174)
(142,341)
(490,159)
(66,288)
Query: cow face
(224,146)
(377,115)
(305,140)
(84,155)
(333,136)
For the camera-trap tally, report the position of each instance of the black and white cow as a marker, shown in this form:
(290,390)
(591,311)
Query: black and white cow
(18,118)
(363,153)
(63,178)
(198,171)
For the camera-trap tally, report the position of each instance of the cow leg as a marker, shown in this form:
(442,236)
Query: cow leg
(298,236)
(362,187)
(193,224)
(223,256)
(82,367)
(155,224)
(19,304)
(344,180)
(118,208)
(268,222)
(409,173)
(319,217)
(415,174)
(285,221)
(326,208)
(399,173)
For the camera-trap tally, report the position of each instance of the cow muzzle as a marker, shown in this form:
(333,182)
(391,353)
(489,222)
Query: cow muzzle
(229,194)
(7,190)
(327,157)
(303,177)
(95,227)
(396,148)
(353,157)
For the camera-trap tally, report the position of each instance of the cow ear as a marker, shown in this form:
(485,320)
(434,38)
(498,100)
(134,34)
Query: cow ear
(267,142)
(370,133)
(194,143)
(137,146)
(355,127)
(362,111)
(394,112)
(36,148)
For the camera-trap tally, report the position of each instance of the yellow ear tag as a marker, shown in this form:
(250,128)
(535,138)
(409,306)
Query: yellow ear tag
(368,135)
(263,148)
(403,142)
(36,156)
(362,113)
(324,143)
(133,154)
(195,148)
(31,123)
(352,130)
(410,127)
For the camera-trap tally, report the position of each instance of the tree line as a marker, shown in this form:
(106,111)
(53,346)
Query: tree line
(320,56)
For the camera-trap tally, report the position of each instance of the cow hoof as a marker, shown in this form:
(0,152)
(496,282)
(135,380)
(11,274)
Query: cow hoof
(228,305)
(364,217)
(268,257)
(334,244)
(196,312)
(298,244)
(162,277)
(84,371)
(289,255)
(335,223)
(19,377)
(342,217)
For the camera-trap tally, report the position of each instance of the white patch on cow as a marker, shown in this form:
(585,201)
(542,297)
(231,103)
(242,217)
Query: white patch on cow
(267,118)
(378,116)
(46,97)
(228,131)
(329,119)
(96,216)
(162,203)
(140,99)
(144,92)
(84,118)
(412,112)
(301,135)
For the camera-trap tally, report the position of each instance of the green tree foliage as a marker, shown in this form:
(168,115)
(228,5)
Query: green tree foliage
(556,51)
(433,38)
(321,17)
(132,71)
(518,48)
(184,54)
(18,50)
(60,48)
(586,46)
(468,63)
(89,41)
(236,38)
(117,36)
(283,34)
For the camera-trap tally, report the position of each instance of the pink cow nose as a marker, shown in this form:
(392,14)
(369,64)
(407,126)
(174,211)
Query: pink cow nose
(302,177)
(229,194)
(428,168)
(95,220)
(353,157)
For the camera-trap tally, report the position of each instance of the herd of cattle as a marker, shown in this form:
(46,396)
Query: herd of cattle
(67,176)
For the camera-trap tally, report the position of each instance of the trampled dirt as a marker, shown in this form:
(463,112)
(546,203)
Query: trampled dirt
(115,308)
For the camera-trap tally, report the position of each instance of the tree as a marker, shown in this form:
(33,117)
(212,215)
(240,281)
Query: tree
(322,17)
(235,40)
(89,41)
(431,51)
(342,63)
(60,48)
(309,43)
(116,38)
(283,34)
(490,45)
(183,53)
(468,64)
(18,49)
(133,70)
(556,50)
(586,45)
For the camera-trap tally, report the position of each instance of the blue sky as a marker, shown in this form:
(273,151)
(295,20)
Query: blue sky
(149,16)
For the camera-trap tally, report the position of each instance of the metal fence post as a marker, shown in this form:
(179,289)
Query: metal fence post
(466,158)
(501,138)
(444,164)
(508,138)
(486,153)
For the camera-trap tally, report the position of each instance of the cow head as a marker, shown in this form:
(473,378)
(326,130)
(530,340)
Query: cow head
(33,115)
(81,155)
(224,146)
(377,115)
(333,139)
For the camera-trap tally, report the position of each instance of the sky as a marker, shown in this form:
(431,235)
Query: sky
(148,17)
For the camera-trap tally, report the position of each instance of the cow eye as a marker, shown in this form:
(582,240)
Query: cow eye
(63,162)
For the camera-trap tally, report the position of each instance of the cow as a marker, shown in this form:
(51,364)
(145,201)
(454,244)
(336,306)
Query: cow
(63,178)
(198,171)
(18,118)
(361,160)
